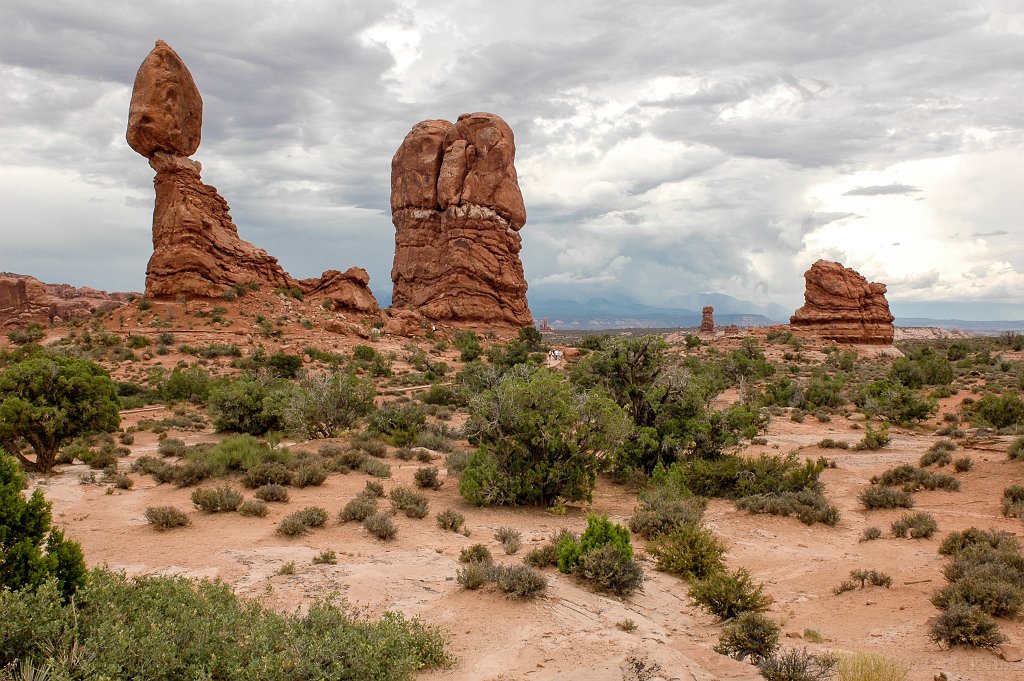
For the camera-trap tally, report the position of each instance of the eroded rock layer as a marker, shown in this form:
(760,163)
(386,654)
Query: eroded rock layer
(457,211)
(196,247)
(841,305)
(25,299)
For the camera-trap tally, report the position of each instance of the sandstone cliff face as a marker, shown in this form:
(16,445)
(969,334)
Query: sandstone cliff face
(707,319)
(24,300)
(457,211)
(196,247)
(841,305)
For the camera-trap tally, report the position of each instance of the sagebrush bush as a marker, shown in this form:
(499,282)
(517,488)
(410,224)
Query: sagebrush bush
(255,508)
(427,478)
(267,473)
(328,557)
(885,497)
(519,581)
(660,511)
(374,488)
(404,454)
(309,475)
(874,439)
(871,533)
(809,506)
(381,526)
(872,577)
(359,508)
(170,446)
(919,525)
(510,538)
(829,443)
(191,473)
(451,520)
(412,504)
(165,517)
(1016,450)
(610,570)
(1013,501)
(963,464)
(220,499)
(751,635)
(989,587)
(690,551)
(472,576)
(958,542)
(727,594)
(376,468)
(272,492)
(477,553)
(964,624)
(300,522)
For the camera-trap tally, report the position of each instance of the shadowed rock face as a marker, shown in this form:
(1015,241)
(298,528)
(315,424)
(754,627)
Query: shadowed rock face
(841,305)
(457,210)
(196,247)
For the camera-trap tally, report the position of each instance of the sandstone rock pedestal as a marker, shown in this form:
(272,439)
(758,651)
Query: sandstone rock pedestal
(196,247)
(457,211)
(707,319)
(841,305)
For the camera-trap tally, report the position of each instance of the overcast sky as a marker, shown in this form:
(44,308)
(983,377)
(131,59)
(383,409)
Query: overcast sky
(663,147)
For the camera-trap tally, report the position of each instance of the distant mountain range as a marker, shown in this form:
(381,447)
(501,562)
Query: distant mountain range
(616,311)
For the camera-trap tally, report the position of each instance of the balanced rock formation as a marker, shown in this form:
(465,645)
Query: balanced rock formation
(196,247)
(457,211)
(841,305)
(707,319)
(25,300)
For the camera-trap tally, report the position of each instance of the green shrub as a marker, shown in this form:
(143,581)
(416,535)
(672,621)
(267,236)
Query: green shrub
(956,543)
(374,488)
(427,478)
(919,525)
(400,423)
(249,405)
(255,508)
(190,473)
(997,411)
(996,591)
(328,557)
(872,577)
(600,532)
(381,526)
(238,453)
(829,443)
(728,594)
(1013,501)
(218,500)
(885,497)
(207,632)
(874,439)
(324,405)
(477,553)
(271,492)
(690,551)
(405,454)
(752,635)
(963,464)
(300,522)
(1016,450)
(359,508)
(413,504)
(871,533)
(165,517)
(967,625)
(452,520)
(893,401)
(468,346)
(937,455)
(33,551)
(191,384)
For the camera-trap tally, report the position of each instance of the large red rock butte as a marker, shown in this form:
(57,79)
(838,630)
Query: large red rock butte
(841,305)
(457,211)
(196,247)
(25,300)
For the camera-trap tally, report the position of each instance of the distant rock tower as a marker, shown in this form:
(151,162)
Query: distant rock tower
(840,305)
(457,210)
(707,319)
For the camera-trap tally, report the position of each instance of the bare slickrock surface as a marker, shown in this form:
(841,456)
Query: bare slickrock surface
(841,305)
(457,211)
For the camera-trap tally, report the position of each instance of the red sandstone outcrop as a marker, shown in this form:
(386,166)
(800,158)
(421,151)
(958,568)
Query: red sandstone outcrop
(841,305)
(707,319)
(457,211)
(24,300)
(196,247)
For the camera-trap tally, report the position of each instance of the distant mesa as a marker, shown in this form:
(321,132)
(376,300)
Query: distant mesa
(196,247)
(841,305)
(457,211)
(25,300)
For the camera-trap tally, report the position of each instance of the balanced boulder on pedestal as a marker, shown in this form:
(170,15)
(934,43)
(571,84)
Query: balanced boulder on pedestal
(841,305)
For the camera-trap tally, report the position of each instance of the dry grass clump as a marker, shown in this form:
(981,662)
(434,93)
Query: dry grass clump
(871,667)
